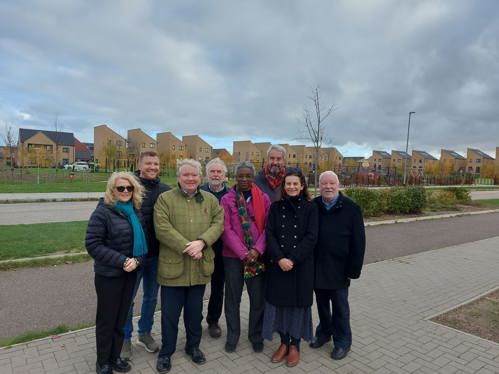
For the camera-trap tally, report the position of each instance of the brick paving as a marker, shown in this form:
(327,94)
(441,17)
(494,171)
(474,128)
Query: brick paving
(391,305)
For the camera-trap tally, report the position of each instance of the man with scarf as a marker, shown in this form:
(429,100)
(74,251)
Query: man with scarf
(148,176)
(269,180)
(245,213)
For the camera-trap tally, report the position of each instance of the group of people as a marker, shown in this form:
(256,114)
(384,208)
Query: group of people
(265,232)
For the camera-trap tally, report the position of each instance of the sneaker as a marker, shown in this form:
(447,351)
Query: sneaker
(126,350)
(145,340)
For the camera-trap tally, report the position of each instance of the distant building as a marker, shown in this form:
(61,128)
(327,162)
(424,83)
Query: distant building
(223,155)
(245,150)
(380,161)
(422,162)
(90,147)
(170,149)
(452,162)
(82,153)
(138,142)
(296,155)
(479,163)
(197,148)
(398,160)
(45,148)
(110,148)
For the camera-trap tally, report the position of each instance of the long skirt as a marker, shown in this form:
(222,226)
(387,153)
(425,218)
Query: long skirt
(295,321)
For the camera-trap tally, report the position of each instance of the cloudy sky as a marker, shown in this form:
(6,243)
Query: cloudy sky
(235,70)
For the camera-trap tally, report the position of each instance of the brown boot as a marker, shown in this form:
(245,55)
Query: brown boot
(279,355)
(293,356)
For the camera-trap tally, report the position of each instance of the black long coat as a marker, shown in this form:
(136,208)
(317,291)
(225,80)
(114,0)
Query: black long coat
(291,233)
(340,249)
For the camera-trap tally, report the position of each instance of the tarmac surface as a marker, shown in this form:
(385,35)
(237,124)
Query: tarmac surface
(390,310)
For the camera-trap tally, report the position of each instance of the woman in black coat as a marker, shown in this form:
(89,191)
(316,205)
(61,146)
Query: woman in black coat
(291,235)
(115,239)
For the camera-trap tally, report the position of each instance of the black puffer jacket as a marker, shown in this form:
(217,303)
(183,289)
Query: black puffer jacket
(109,240)
(153,188)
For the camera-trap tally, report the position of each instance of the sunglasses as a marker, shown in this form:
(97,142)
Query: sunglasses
(123,188)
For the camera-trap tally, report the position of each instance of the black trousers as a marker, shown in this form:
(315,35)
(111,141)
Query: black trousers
(215,304)
(234,282)
(334,316)
(173,300)
(114,297)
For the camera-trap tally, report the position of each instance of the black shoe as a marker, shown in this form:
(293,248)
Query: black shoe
(230,348)
(318,341)
(338,353)
(121,366)
(257,347)
(163,365)
(214,330)
(197,356)
(104,369)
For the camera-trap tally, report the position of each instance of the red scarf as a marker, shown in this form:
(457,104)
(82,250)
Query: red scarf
(274,180)
(258,207)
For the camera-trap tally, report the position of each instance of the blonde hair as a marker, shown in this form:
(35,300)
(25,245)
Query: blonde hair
(138,189)
(189,162)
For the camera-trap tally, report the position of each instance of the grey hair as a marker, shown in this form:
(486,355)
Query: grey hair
(278,148)
(189,162)
(245,164)
(330,173)
(216,160)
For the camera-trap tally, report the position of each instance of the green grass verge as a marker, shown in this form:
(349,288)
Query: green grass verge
(32,335)
(43,262)
(32,187)
(20,241)
(488,202)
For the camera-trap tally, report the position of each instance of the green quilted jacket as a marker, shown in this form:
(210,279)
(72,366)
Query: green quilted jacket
(179,219)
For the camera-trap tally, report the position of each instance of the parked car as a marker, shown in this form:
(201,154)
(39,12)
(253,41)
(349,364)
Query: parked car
(77,166)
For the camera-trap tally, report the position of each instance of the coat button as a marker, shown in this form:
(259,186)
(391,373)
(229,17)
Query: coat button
(295,236)
(294,246)
(282,245)
(282,236)
(283,216)
(294,226)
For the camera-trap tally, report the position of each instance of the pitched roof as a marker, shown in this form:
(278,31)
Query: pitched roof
(402,154)
(454,154)
(425,155)
(383,154)
(480,153)
(58,137)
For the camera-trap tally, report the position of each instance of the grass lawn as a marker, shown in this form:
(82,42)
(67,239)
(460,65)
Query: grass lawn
(488,202)
(20,241)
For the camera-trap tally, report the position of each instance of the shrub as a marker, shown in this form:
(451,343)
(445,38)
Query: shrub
(462,194)
(399,201)
(439,200)
(367,199)
(417,198)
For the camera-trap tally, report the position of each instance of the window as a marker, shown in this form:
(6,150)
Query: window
(173,147)
(478,160)
(152,145)
(48,147)
(119,143)
(478,169)
(65,149)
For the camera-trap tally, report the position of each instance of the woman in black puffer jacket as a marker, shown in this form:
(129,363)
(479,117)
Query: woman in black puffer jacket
(115,239)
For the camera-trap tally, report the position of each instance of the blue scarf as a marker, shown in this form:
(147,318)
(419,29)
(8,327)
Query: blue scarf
(139,239)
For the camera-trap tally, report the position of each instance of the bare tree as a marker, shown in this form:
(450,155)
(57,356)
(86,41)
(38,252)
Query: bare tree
(314,123)
(9,138)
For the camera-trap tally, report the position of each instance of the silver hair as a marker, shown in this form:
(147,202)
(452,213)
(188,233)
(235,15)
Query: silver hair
(189,162)
(330,173)
(278,148)
(216,160)
(245,164)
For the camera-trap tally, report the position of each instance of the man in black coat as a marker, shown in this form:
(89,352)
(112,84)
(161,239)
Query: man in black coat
(215,173)
(148,176)
(339,255)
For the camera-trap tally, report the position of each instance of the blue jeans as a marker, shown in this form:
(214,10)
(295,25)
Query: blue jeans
(148,273)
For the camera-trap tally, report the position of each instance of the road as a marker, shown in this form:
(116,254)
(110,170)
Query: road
(482,195)
(40,298)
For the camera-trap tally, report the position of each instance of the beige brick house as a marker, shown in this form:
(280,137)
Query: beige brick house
(170,149)
(422,162)
(398,161)
(197,148)
(45,148)
(138,142)
(380,161)
(245,150)
(110,148)
(479,163)
(452,162)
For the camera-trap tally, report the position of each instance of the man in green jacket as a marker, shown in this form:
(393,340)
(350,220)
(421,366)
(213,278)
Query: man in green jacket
(187,222)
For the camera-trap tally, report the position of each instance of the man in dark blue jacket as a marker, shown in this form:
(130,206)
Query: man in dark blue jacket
(338,256)
(148,175)
(215,173)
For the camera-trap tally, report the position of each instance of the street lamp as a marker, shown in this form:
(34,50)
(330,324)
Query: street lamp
(407,147)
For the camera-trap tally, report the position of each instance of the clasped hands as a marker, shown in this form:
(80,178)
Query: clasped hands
(285,264)
(130,264)
(252,255)
(194,249)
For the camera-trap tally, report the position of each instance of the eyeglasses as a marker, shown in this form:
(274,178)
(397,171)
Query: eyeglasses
(123,188)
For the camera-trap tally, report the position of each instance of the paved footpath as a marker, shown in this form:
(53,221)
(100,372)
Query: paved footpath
(391,305)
